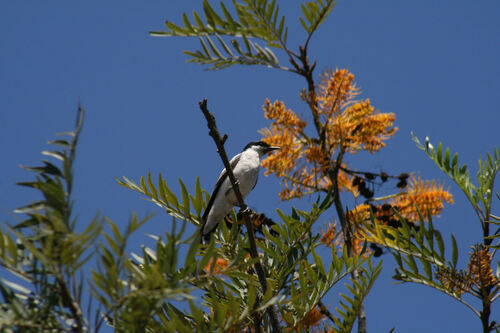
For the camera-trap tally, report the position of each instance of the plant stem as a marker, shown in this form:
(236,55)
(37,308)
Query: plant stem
(306,70)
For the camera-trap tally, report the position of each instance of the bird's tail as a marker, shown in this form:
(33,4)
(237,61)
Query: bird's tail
(205,236)
(205,239)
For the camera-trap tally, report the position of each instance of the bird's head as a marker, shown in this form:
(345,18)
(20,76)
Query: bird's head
(260,147)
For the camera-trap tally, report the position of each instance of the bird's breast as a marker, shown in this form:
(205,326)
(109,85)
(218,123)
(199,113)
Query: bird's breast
(247,173)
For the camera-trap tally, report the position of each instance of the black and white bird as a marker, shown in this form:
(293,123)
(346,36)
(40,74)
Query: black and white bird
(245,167)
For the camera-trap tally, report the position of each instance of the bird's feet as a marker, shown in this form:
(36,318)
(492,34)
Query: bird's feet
(245,210)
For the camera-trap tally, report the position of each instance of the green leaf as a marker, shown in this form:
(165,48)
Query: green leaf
(209,254)
(315,13)
(260,20)
(427,269)
(198,21)
(454,252)
(152,187)
(187,24)
(62,143)
(210,13)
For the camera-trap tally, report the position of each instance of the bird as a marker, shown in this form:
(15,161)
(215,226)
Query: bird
(245,167)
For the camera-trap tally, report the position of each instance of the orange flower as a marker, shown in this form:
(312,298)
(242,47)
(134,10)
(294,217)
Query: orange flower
(359,128)
(330,235)
(335,91)
(284,160)
(280,115)
(359,214)
(217,268)
(302,162)
(457,281)
(480,267)
(426,196)
(312,318)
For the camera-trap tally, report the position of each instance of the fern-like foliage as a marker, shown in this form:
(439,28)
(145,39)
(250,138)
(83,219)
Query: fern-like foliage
(298,278)
(45,250)
(359,289)
(315,13)
(480,195)
(163,196)
(258,19)
(254,18)
(420,257)
(246,22)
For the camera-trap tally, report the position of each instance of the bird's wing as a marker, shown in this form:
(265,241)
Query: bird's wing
(221,179)
(232,163)
(256,179)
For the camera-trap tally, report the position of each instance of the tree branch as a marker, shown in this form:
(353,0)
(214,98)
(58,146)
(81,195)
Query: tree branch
(306,70)
(214,133)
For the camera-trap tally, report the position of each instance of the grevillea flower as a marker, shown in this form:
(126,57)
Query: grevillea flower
(421,196)
(330,235)
(359,127)
(312,318)
(480,268)
(303,163)
(336,90)
(456,281)
(218,267)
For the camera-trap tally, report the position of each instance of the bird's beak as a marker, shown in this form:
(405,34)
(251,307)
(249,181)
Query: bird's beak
(272,148)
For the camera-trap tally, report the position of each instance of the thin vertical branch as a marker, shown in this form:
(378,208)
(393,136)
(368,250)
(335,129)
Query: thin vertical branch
(306,70)
(214,133)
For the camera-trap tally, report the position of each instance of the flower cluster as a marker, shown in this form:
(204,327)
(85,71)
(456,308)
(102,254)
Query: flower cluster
(331,236)
(284,160)
(218,267)
(456,281)
(336,91)
(303,163)
(283,116)
(358,127)
(477,277)
(480,268)
(312,318)
(422,197)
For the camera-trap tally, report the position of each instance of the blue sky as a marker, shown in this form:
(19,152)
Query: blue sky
(432,63)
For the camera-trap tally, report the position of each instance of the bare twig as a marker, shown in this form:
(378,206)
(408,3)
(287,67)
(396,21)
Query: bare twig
(324,310)
(214,133)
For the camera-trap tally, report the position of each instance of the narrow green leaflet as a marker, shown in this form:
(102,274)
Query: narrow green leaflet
(257,19)
(164,197)
(315,13)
